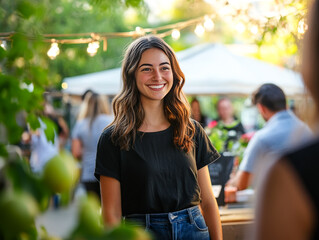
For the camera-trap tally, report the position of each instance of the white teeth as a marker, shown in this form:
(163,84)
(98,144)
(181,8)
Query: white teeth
(157,86)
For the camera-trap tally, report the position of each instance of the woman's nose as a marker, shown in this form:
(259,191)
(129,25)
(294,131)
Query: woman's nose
(157,74)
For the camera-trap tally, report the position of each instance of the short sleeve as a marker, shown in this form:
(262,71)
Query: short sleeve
(205,151)
(108,157)
(76,130)
(252,154)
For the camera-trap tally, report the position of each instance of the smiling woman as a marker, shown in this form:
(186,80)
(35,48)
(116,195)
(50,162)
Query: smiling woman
(152,160)
(154,77)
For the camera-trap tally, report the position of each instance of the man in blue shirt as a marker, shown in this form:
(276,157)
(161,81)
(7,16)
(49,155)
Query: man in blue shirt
(282,131)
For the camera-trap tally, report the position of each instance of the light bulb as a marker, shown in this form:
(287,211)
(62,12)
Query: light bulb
(54,50)
(93,47)
(176,34)
(64,85)
(3,44)
(199,30)
(139,31)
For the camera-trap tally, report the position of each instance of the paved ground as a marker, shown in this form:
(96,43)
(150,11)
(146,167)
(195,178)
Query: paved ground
(59,222)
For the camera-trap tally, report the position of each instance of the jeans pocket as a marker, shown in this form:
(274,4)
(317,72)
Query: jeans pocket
(199,223)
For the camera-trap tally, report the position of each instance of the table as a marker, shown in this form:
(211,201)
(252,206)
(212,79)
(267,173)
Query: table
(236,222)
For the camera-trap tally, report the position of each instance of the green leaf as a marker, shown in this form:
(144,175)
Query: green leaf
(133,3)
(50,130)
(26,9)
(33,121)
(3,53)
(3,150)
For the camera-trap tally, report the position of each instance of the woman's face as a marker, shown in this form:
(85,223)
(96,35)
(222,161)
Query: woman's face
(154,76)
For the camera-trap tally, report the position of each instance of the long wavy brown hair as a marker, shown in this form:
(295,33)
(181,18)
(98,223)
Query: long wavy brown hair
(128,110)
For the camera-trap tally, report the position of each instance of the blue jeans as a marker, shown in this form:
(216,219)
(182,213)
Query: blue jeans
(185,224)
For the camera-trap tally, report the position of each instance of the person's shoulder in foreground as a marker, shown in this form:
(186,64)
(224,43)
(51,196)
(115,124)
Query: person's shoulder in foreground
(291,189)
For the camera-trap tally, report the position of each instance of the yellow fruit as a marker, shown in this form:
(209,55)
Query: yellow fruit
(18,210)
(60,173)
(141,234)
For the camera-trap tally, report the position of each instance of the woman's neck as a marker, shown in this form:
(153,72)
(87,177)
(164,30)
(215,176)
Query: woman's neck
(154,119)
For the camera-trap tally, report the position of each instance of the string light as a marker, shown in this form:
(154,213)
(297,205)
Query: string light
(3,44)
(208,24)
(54,50)
(93,47)
(139,31)
(64,85)
(203,23)
(176,34)
(199,30)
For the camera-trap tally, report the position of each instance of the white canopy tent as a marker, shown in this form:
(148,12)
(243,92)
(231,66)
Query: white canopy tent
(209,69)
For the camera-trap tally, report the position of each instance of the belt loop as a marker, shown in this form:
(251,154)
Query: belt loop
(147,221)
(190,214)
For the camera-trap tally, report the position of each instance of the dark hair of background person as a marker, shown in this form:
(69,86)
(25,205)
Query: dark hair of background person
(196,112)
(270,96)
(127,107)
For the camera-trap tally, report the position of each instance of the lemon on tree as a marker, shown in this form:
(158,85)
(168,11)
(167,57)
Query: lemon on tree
(61,172)
(18,211)
(90,219)
(128,232)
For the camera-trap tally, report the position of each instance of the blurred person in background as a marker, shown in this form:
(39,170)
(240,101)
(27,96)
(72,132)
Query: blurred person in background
(226,115)
(94,116)
(196,112)
(227,121)
(288,202)
(282,131)
(43,149)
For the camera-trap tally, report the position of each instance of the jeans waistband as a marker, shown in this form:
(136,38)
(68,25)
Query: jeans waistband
(171,217)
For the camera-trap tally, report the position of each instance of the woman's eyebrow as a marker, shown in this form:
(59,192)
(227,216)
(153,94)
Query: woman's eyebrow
(145,64)
(163,63)
(150,65)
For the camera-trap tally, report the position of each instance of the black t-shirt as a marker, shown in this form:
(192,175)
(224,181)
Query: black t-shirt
(306,165)
(155,176)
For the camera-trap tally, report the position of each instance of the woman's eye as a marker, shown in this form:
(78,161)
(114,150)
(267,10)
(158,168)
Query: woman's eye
(146,69)
(165,68)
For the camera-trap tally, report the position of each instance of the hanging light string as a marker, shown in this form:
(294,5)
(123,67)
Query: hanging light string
(78,38)
(93,39)
(202,24)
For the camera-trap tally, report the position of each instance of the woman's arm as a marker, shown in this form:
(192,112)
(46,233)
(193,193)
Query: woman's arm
(284,210)
(209,205)
(76,148)
(111,201)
